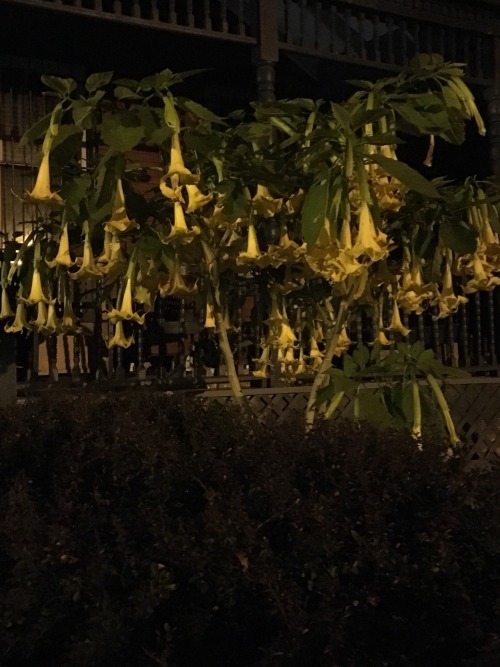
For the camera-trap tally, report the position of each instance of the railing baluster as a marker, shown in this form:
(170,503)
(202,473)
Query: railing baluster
(376,36)
(223,16)
(190,15)
(136,9)
(390,39)
(317,24)
(421,328)
(464,325)
(478,332)
(403,29)
(241,22)
(435,335)
(347,31)
(362,35)
(479,61)
(442,41)
(453,45)
(117,7)
(359,329)
(491,329)
(155,14)
(303,8)
(172,14)
(207,19)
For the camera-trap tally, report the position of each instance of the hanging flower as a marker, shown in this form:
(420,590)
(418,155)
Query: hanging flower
(125,310)
(396,324)
(5,311)
(196,198)
(252,255)
(176,166)
(413,293)
(209,312)
(482,279)
(41,319)
(119,220)
(41,192)
(119,339)
(52,324)
(36,292)
(88,267)
(20,322)
(262,363)
(447,301)
(264,204)
(343,343)
(63,256)
(175,285)
(370,241)
(180,232)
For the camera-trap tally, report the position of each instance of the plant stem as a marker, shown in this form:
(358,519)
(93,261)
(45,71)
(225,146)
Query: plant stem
(225,347)
(335,402)
(321,375)
(417,411)
(445,409)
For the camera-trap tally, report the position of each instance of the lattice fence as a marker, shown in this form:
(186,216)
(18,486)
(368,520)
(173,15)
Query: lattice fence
(475,406)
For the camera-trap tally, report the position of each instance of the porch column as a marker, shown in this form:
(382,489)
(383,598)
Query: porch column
(268,52)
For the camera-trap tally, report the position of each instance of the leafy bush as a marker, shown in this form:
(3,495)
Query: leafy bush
(142,529)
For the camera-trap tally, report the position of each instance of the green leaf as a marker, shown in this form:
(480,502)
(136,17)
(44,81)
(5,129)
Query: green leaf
(458,237)
(122,131)
(199,111)
(314,210)
(64,87)
(406,175)
(76,189)
(36,131)
(98,80)
(81,112)
(361,356)
(124,93)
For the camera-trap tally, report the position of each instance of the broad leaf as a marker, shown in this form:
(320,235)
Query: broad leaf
(458,237)
(314,210)
(98,80)
(406,175)
(63,87)
(122,131)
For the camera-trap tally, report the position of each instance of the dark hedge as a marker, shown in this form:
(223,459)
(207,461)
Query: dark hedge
(141,529)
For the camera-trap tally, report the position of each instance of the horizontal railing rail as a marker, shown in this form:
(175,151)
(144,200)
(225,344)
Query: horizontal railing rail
(376,33)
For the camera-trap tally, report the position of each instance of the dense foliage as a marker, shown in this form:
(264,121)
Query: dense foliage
(141,529)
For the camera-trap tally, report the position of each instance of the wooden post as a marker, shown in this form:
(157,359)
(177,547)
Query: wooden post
(493,96)
(268,53)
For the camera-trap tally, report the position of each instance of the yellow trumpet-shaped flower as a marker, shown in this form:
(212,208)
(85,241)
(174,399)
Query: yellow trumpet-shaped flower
(196,198)
(88,267)
(63,256)
(381,339)
(176,166)
(370,242)
(301,367)
(41,192)
(176,285)
(294,203)
(314,351)
(286,337)
(264,204)
(413,292)
(41,317)
(125,311)
(396,324)
(20,322)
(447,301)
(52,324)
(262,363)
(119,339)
(209,313)
(343,343)
(69,322)
(36,292)
(6,311)
(115,261)
(180,232)
(145,296)
(482,278)
(253,254)
(119,220)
